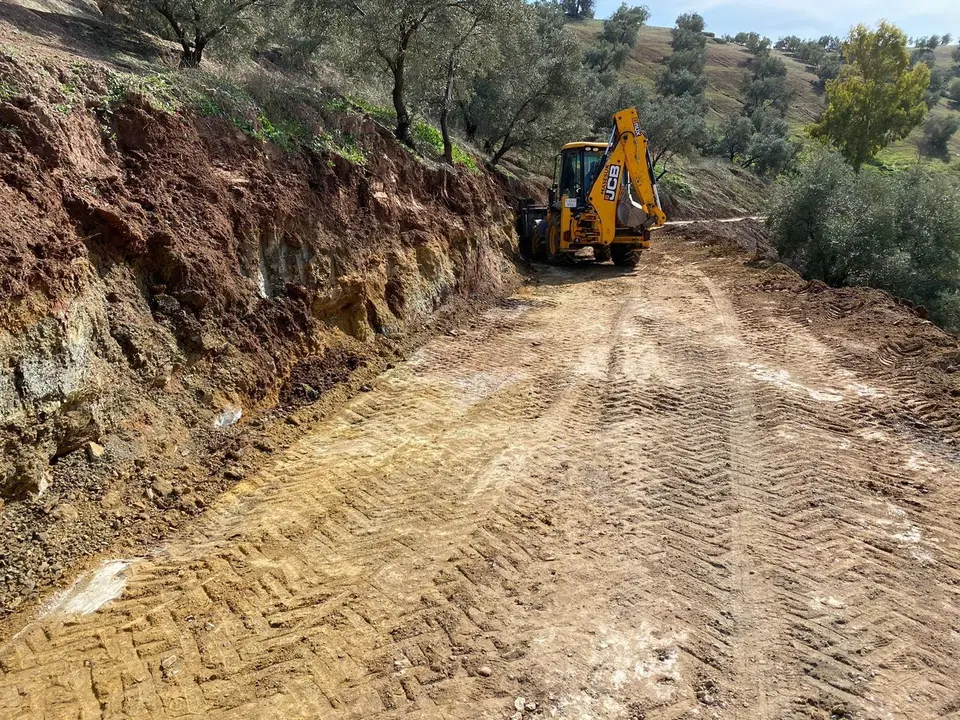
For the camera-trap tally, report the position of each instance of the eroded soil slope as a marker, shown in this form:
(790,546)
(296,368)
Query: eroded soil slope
(164,273)
(693,490)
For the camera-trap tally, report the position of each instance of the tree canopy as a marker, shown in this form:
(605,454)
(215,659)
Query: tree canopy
(877,97)
(194,23)
(617,38)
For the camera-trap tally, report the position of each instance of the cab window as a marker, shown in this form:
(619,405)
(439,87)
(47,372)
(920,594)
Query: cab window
(591,166)
(570,177)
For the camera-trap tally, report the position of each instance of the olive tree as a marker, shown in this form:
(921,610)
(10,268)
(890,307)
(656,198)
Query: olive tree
(766,86)
(674,126)
(194,24)
(937,132)
(735,133)
(527,99)
(577,9)
(685,73)
(898,231)
(619,35)
(463,43)
(298,30)
(390,32)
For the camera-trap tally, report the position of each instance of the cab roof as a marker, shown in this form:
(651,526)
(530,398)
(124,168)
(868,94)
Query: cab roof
(591,145)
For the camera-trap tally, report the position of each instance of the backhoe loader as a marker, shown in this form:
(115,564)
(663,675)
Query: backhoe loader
(604,196)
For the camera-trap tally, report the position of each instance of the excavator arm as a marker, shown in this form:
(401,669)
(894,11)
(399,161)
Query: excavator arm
(627,160)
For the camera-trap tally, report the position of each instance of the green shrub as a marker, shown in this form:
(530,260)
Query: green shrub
(937,132)
(897,231)
(433,138)
(461,158)
(287,134)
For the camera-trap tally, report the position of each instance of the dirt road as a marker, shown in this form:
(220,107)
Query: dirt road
(654,494)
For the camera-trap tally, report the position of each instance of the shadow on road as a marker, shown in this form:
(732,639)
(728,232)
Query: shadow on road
(587,271)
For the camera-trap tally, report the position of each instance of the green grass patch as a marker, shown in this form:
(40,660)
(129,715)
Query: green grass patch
(338,104)
(461,158)
(381,113)
(343,144)
(288,134)
(157,90)
(428,134)
(433,139)
(677,184)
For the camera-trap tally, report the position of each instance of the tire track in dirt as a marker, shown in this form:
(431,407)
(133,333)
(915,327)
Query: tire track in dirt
(875,583)
(620,495)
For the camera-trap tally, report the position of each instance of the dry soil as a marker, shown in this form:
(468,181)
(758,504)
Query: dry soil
(691,490)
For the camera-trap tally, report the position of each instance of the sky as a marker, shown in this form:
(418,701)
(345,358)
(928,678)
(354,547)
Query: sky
(806,18)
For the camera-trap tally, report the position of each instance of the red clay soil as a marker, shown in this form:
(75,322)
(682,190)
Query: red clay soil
(160,270)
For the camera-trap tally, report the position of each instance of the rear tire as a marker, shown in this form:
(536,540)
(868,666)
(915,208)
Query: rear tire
(541,252)
(601,253)
(626,255)
(527,246)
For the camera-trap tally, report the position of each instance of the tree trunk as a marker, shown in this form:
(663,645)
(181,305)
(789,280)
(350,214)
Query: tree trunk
(445,113)
(403,116)
(191,55)
(470,129)
(447,142)
(498,156)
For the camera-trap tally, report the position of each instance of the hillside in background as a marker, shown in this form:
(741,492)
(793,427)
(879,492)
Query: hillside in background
(726,65)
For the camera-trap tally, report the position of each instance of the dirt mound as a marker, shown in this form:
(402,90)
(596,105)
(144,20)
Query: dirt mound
(747,235)
(886,336)
(312,377)
(164,273)
(712,188)
(875,332)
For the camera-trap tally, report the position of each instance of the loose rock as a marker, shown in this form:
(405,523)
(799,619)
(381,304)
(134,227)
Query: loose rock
(94,451)
(162,487)
(66,512)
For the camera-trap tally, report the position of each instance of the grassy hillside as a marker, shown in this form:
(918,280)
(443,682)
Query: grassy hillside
(726,66)
(905,151)
(728,63)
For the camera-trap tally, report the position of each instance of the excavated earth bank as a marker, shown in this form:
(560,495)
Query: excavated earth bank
(163,275)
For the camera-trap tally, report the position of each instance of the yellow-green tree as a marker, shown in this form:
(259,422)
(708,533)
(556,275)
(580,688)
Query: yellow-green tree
(877,98)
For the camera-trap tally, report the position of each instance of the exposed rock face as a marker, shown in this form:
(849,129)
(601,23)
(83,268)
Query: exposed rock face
(164,267)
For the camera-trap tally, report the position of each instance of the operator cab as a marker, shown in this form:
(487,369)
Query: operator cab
(575,170)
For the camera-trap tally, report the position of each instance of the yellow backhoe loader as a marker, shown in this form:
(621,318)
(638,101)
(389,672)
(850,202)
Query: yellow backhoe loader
(604,196)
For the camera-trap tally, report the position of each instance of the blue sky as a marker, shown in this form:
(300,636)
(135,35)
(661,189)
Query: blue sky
(810,18)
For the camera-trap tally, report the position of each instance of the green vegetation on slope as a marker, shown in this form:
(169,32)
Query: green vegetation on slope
(896,231)
(727,64)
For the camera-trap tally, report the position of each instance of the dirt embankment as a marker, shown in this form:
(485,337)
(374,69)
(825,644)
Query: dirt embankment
(163,274)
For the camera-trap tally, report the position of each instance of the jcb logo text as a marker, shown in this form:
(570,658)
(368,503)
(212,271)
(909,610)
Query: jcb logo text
(613,179)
